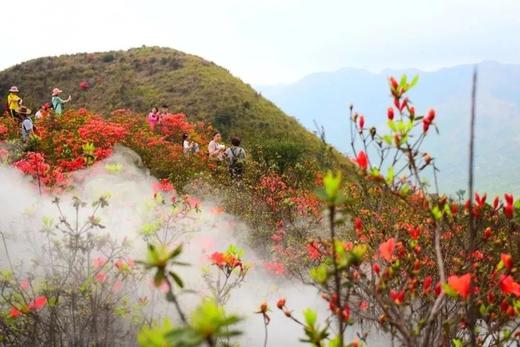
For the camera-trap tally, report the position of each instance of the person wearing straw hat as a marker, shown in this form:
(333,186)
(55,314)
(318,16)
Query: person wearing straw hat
(57,102)
(27,124)
(13,100)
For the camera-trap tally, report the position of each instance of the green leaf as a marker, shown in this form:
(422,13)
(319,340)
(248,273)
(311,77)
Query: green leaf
(414,81)
(392,126)
(175,253)
(319,274)
(154,336)
(388,139)
(310,317)
(457,343)
(402,83)
(177,279)
(358,254)
(390,174)
(335,342)
(449,290)
(332,184)
(437,213)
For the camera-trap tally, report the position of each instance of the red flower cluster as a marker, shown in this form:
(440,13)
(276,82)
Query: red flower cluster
(84,85)
(226,261)
(101,133)
(35,305)
(34,165)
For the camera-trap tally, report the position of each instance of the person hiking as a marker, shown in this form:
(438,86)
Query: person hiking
(236,157)
(153,117)
(188,146)
(42,112)
(27,124)
(215,149)
(57,102)
(13,101)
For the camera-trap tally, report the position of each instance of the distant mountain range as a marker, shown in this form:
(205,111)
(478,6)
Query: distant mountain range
(324,97)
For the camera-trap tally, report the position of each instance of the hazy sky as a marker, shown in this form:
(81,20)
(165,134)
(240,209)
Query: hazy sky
(272,41)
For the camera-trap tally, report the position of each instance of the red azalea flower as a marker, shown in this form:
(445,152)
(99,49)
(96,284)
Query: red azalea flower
(313,250)
(390,113)
(386,249)
(363,305)
(358,224)
(361,122)
(508,207)
(509,286)
(412,111)
(193,202)
(38,303)
(460,284)
(217,258)
(431,115)
(393,83)
(362,160)
(426,125)
(487,233)
(507,260)
(84,85)
(414,232)
(14,312)
(496,201)
(99,262)
(481,201)
(397,296)
(276,268)
(437,288)
(427,283)
(101,277)
(345,313)
(163,185)
(280,303)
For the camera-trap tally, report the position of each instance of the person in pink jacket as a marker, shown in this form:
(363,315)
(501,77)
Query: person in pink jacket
(153,117)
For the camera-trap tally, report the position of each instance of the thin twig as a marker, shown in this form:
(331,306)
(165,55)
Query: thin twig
(472,235)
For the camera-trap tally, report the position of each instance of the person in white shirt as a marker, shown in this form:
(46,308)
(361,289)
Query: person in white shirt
(188,146)
(215,149)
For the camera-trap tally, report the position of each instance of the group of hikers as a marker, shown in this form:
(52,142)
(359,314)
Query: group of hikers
(233,155)
(20,112)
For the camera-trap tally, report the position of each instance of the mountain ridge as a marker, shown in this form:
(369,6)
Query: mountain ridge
(326,97)
(140,78)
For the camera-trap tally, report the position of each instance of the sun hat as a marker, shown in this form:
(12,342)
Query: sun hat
(24,110)
(14,89)
(56,91)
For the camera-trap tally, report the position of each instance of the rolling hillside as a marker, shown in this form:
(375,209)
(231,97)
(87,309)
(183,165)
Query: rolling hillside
(142,77)
(325,97)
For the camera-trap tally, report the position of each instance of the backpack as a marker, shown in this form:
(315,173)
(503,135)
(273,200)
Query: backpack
(236,164)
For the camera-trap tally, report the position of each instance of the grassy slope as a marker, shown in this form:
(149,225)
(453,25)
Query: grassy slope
(146,76)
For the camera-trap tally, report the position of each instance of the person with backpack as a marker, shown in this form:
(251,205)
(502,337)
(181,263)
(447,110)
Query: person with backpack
(57,102)
(13,101)
(236,157)
(27,124)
